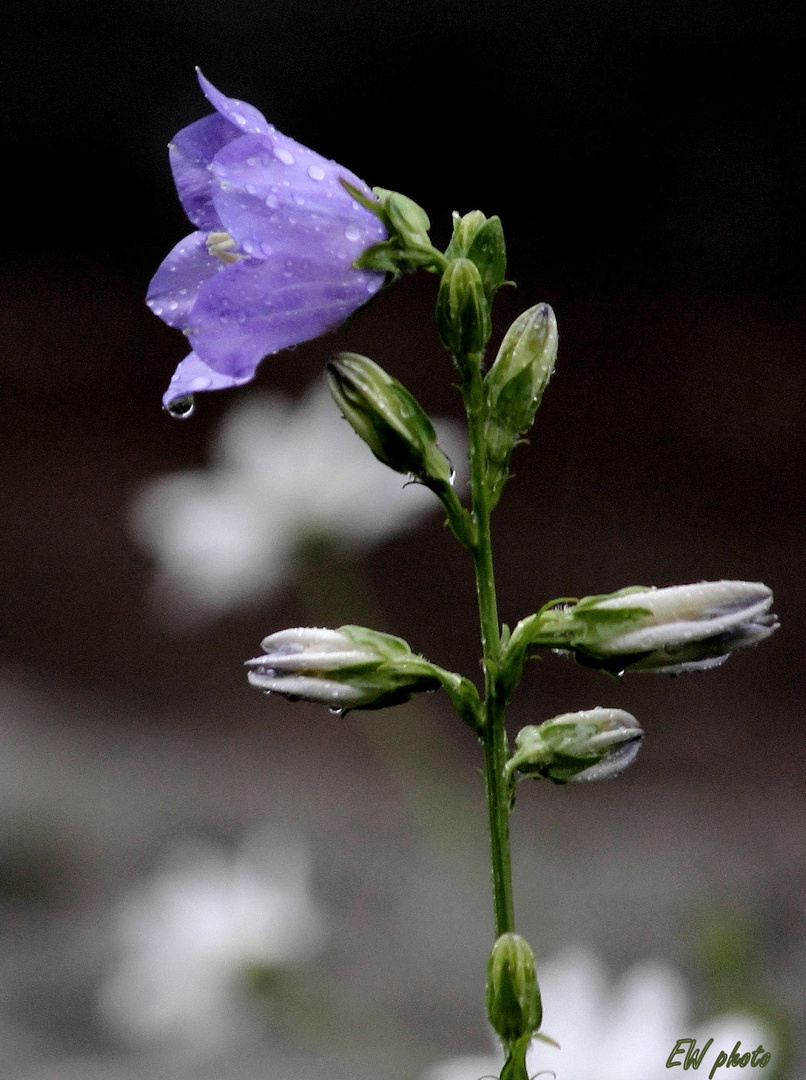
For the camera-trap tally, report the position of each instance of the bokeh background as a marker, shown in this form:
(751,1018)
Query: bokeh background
(647,161)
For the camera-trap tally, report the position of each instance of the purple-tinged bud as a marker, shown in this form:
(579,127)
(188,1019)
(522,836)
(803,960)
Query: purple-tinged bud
(594,744)
(681,628)
(513,998)
(348,668)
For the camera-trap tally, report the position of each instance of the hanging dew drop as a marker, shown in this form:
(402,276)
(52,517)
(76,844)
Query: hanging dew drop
(181,408)
(337,710)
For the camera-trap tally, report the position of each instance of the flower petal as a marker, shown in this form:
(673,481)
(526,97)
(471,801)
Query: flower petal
(173,290)
(191,152)
(274,195)
(246,118)
(253,308)
(192,376)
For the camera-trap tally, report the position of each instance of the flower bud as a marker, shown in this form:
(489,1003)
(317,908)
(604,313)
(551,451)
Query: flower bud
(515,383)
(513,997)
(594,744)
(408,246)
(463,311)
(408,220)
(481,240)
(389,420)
(682,628)
(348,668)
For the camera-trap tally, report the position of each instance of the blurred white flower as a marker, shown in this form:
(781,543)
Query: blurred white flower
(186,941)
(614,1031)
(281,472)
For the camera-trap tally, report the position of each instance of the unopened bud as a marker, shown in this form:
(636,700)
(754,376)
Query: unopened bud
(515,383)
(408,246)
(388,418)
(481,240)
(513,997)
(682,628)
(348,668)
(594,744)
(463,311)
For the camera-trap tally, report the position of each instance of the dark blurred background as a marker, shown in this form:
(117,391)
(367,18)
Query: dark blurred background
(648,163)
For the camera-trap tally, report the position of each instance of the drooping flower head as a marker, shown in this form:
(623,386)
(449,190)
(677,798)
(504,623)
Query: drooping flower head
(271,262)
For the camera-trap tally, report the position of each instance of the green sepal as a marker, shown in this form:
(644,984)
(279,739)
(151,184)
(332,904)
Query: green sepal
(464,698)
(462,692)
(515,1064)
(409,246)
(390,258)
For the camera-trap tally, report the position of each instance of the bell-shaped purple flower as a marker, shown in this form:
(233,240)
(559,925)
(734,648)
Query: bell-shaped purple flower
(271,262)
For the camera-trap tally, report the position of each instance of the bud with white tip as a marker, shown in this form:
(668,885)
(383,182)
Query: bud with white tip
(348,668)
(594,744)
(681,628)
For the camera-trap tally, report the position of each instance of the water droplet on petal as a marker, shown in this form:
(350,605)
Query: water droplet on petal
(250,189)
(201,382)
(352,233)
(298,199)
(285,156)
(238,118)
(272,202)
(316,172)
(181,408)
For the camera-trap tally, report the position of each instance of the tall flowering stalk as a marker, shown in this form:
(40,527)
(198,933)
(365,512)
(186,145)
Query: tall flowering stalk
(273,264)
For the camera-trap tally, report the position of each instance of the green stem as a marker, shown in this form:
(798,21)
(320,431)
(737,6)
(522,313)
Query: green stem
(493,735)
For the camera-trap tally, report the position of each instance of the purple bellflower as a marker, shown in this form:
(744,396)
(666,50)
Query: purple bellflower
(270,264)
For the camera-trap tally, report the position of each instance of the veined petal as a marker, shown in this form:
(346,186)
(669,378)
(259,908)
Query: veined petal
(274,195)
(192,376)
(295,234)
(309,688)
(246,119)
(190,153)
(253,308)
(174,288)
